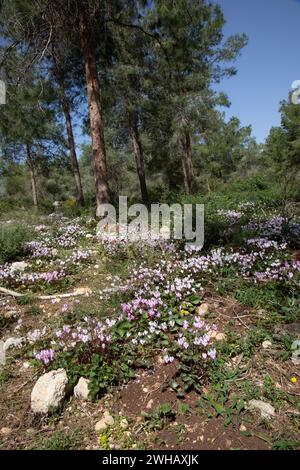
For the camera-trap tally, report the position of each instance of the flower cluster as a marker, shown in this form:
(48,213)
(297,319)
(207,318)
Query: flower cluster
(141,305)
(93,332)
(232,217)
(266,244)
(39,250)
(46,356)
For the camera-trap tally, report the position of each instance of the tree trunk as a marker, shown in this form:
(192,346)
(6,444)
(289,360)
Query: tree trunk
(71,143)
(139,155)
(187,163)
(95,111)
(32,177)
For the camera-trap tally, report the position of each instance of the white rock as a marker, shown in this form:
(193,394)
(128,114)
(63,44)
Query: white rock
(109,420)
(267,344)
(82,290)
(5,431)
(149,404)
(82,389)
(100,425)
(266,410)
(243,428)
(123,423)
(18,266)
(202,309)
(220,336)
(26,365)
(106,421)
(13,343)
(49,391)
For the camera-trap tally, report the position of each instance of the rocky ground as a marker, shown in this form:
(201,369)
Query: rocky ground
(156,347)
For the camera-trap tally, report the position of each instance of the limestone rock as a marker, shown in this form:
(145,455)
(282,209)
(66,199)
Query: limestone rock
(106,421)
(5,431)
(149,404)
(123,423)
(18,266)
(13,343)
(100,425)
(82,389)
(266,344)
(49,391)
(266,410)
(202,309)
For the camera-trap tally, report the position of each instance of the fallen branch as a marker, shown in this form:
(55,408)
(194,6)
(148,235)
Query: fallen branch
(77,292)
(10,292)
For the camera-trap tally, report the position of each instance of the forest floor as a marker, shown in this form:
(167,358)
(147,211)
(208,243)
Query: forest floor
(165,385)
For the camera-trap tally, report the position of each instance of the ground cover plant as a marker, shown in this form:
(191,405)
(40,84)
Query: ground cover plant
(198,335)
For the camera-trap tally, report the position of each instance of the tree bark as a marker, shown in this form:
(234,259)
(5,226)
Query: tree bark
(71,143)
(187,164)
(95,111)
(32,177)
(139,155)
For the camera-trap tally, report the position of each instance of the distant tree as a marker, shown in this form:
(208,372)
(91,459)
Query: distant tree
(28,126)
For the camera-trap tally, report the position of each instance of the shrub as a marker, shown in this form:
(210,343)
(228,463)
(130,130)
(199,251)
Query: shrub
(12,242)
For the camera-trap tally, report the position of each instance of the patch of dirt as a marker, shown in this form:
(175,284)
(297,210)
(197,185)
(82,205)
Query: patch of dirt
(208,435)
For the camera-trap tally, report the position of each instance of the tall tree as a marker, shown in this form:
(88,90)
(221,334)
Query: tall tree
(191,56)
(34,27)
(59,72)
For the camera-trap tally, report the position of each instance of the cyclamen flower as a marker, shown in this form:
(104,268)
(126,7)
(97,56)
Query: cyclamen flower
(168,359)
(212,353)
(183,342)
(46,356)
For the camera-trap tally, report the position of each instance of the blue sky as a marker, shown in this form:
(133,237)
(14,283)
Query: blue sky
(268,64)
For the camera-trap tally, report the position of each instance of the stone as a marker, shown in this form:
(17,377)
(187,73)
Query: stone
(81,390)
(5,431)
(220,336)
(10,314)
(243,428)
(149,404)
(296,353)
(83,290)
(100,425)
(267,344)
(49,391)
(202,309)
(12,343)
(18,266)
(106,421)
(123,423)
(26,365)
(266,410)
(108,418)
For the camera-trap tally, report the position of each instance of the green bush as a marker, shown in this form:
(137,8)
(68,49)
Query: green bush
(12,242)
